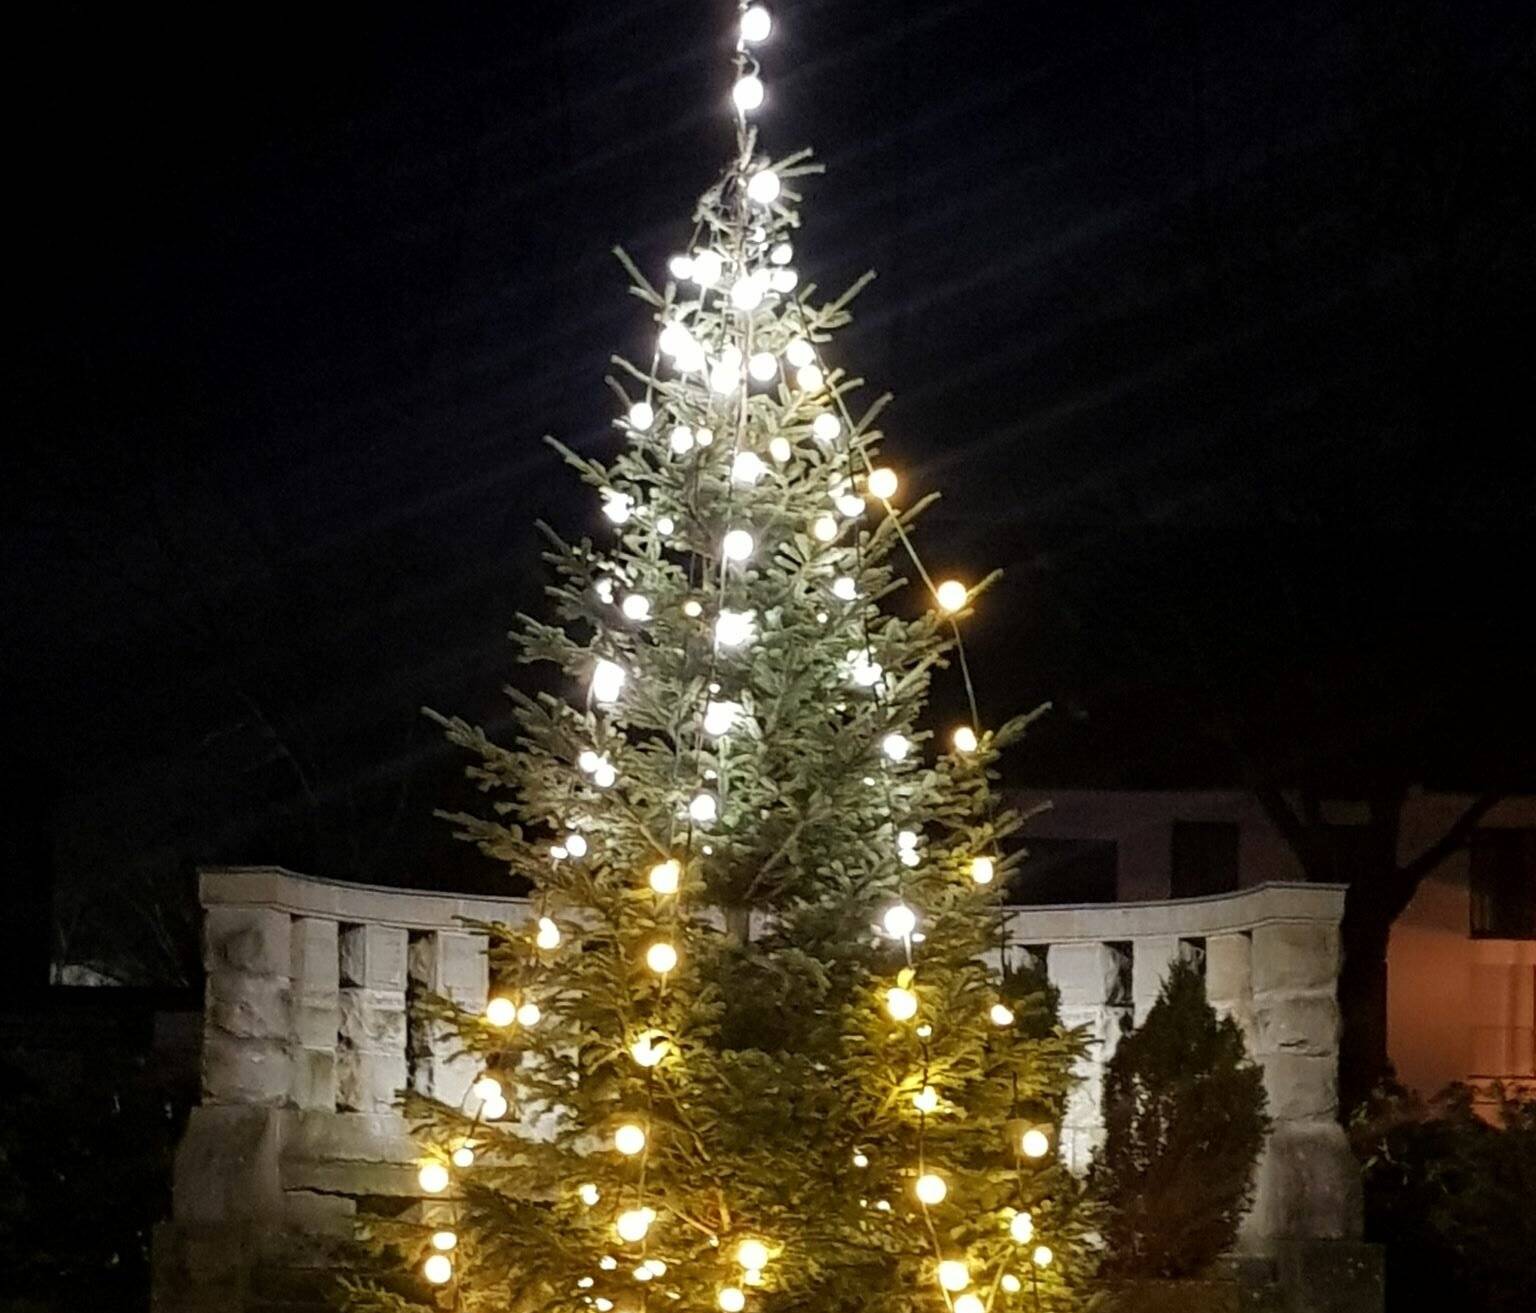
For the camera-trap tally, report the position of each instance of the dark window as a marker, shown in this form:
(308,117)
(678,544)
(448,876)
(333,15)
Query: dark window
(1503,871)
(1066,871)
(1204,858)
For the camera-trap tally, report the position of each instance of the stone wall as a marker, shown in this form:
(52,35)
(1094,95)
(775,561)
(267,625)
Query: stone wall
(309,1036)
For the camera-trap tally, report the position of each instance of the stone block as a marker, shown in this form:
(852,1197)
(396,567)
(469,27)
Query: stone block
(315,1025)
(454,964)
(1085,974)
(244,1071)
(319,1214)
(226,1167)
(246,1006)
(373,957)
(1307,1186)
(312,1079)
(372,1021)
(1151,957)
(251,940)
(368,1082)
(315,963)
(1301,1087)
(1306,1024)
(1229,971)
(376,1137)
(1292,955)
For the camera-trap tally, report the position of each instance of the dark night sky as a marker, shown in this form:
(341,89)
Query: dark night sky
(1211,321)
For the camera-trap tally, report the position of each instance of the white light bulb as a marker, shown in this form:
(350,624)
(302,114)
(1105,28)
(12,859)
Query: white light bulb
(780,449)
(704,437)
(763,187)
(970,1302)
(783,280)
(444,1240)
(665,525)
(1001,1014)
(607,680)
(618,506)
(656,1266)
(602,1304)
(851,505)
(1011,1283)
(661,957)
(703,808)
(926,1100)
(664,876)
(576,845)
(649,1048)
(719,717)
(826,426)
(486,1089)
(529,1014)
(899,921)
(590,1194)
(463,1156)
(763,366)
(629,1139)
(1035,1143)
(731,354)
(681,440)
(747,467)
(632,1224)
(756,23)
(604,776)
(692,609)
(896,746)
(752,1255)
(800,353)
(588,760)
(1022,1228)
(438,1269)
(1042,1256)
(549,934)
(883,483)
(824,529)
(723,378)
(983,869)
(860,1159)
(494,1109)
(730,1299)
(866,673)
(433,1178)
(608,1262)
(908,857)
(680,267)
(641,416)
(964,739)
(900,1003)
(733,628)
(637,607)
(737,545)
(642,1273)
(783,253)
(747,93)
(501,1012)
(952,595)
(809,378)
(747,293)
(953,1273)
(707,268)
(844,588)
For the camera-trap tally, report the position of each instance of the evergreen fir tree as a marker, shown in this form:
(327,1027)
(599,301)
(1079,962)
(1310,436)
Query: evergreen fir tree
(1184,1120)
(752,1049)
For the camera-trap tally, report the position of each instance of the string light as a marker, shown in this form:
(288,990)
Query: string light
(719,717)
(783,253)
(780,449)
(665,524)
(799,353)
(809,378)
(661,957)
(824,529)
(763,366)
(1042,1256)
(664,876)
(681,440)
(529,1015)
(1001,1014)
(983,869)
(463,1156)
(926,1100)
(433,1178)
(1035,1143)
(964,739)
(724,379)
(500,1012)
(444,1240)
(680,267)
(733,628)
(756,23)
(641,416)
(826,426)
(763,187)
(783,280)
(494,1109)
(692,609)
(851,505)
(618,506)
(900,1003)
(1021,1226)
(953,1272)
(629,1139)
(707,268)
(747,466)
(605,775)
(952,595)
(486,1088)
(576,845)
(883,483)
(607,680)
(637,606)
(737,545)
(633,1224)
(589,1194)
(703,807)
(747,93)
(899,921)
(844,589)
(649,1048)
(969,1303)
(860,1159)
(896,746)
(656,1266)
(752,1254)
(438,1269)
(1011,1283)
(747,293)
(730,1299)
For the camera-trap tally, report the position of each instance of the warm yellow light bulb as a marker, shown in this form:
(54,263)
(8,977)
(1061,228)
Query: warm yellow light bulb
(444,1240)
(952,594)
(432,1178)
(438,1269)
(501,1012)
(589,1193)
(926,1099)
(1042,1256)
(730,1299)
(664,876)
(632,1224)
(900,1003)
(549,933)
(1011,1283)
(954,1274)
(964,739)
(1001,1014)
(529,1014)
(1035,1143)
(661,957)
(983,869)
(931,1188)
(883,483)
(649,1048)
(1022,1228)
(629,1139)
(969,1303)
(752,1254)
(463,1156)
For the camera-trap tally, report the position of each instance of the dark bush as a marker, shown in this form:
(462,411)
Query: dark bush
(1184,1112)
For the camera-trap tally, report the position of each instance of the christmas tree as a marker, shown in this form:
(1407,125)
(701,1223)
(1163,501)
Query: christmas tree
(754,1048)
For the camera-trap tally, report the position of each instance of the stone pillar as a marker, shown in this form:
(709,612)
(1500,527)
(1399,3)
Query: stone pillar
(316,1014)
(246,951)
(453,965)
(1088,978)
(1308,1186)
(1151,956)
(370,1067)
